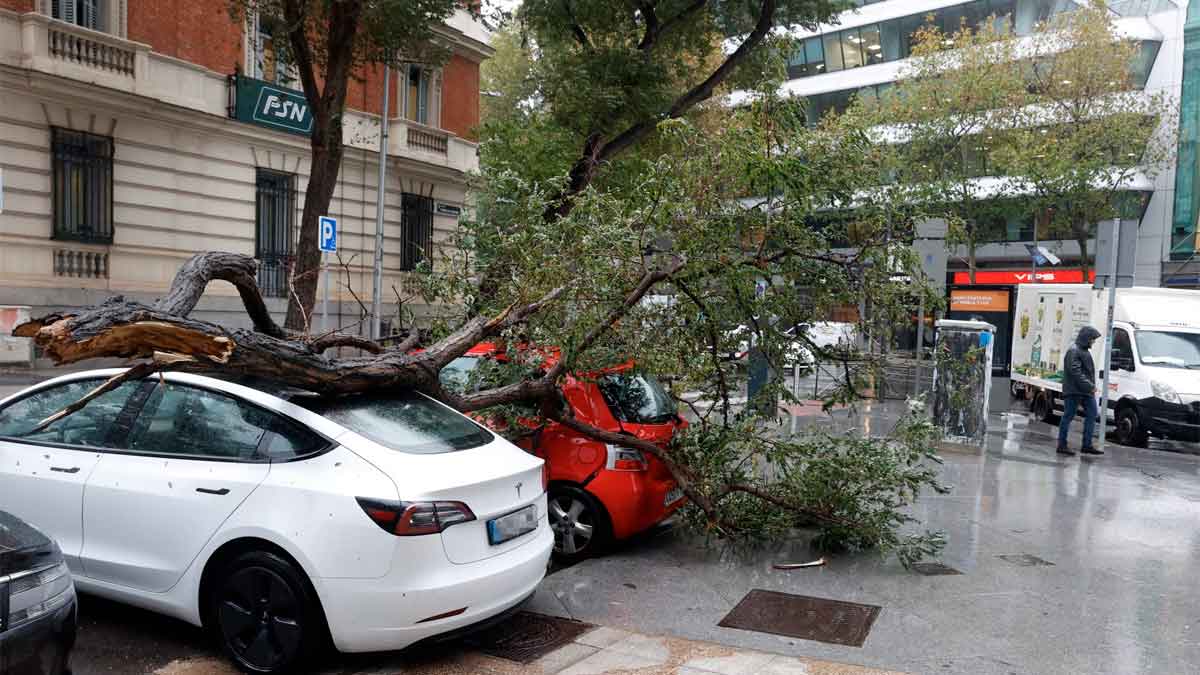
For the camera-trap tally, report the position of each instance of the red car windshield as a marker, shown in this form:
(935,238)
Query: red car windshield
(637,398)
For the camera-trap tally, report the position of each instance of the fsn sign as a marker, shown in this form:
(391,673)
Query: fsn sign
(269,105)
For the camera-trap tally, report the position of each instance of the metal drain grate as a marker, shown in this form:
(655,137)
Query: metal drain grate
(800,616)
(526,636)
(1025,560)
(933,569)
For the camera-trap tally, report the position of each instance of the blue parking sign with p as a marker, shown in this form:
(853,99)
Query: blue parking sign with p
(328,238)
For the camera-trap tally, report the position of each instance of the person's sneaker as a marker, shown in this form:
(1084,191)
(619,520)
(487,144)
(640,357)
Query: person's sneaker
(1064,450)
(1091,451)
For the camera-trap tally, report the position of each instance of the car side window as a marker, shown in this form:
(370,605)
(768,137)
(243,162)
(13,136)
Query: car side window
(188,421)
(1122,346)
(288,440)
(90,426)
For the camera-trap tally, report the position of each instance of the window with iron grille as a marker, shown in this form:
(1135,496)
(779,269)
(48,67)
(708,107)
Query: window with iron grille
(275,211)
(416,229)
(83,186)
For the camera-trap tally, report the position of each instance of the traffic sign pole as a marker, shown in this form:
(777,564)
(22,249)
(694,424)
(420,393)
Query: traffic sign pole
(327,242)
(1108,334)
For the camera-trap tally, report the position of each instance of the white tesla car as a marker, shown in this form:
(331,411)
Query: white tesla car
(275,519)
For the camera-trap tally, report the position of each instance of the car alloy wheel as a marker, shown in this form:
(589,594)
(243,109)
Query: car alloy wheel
(574,525)
(579,523)
(266,616)
(260,619)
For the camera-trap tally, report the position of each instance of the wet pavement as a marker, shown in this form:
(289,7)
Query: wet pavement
(1122,534)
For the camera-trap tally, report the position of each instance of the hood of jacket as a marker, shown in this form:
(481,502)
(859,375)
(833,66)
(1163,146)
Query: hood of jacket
(1086,336)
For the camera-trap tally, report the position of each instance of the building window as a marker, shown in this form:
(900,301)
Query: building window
(416,230)
(82,185)
(267,63)
(417,87)
(275,211)
(891,40)
(86,13)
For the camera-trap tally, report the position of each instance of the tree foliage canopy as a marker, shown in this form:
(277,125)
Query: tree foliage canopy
(986,126)
(708,234)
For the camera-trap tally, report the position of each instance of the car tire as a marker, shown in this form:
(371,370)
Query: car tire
(579,522)
(1129,429)
(265,615)
(1043,406)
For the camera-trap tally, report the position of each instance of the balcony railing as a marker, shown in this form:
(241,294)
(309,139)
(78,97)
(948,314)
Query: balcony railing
(427,141)
(89,48)
(80,264)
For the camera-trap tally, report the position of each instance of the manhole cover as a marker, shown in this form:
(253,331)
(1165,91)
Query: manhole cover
(800,616)
(526,637)
(1024,560)
(933,569)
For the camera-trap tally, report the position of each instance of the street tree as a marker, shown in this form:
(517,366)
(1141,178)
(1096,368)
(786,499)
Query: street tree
(327,43)
(1086,131)
(948,111)
(661,274)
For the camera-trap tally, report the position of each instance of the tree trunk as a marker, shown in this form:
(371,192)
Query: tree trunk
(324,166)
(971,264)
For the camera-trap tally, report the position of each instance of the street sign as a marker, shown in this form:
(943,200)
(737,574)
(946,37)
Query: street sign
(933,255)
(444,209)
(328,238)
(1126,252)
(269,105)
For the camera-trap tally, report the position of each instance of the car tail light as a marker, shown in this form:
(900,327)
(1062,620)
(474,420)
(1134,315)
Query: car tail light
(625,459)
(35,593)
(409,519)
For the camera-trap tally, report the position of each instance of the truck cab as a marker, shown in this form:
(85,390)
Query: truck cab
(1154,388)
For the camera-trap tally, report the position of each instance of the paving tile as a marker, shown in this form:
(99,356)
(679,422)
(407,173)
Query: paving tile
(602,637)
(608,661)
(564,657)
(646,646)
(740,663)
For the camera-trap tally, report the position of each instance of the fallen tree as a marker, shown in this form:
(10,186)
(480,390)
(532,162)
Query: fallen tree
(583,283)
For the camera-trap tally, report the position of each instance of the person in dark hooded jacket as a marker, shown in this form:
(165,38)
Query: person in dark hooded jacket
(1079,388)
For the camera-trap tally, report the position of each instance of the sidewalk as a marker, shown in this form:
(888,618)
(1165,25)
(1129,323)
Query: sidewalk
(601,650)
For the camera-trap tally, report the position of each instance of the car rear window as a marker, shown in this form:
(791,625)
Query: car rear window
(405,422)
(637,398)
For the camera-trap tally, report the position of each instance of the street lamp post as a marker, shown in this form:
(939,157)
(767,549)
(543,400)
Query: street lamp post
(377,285)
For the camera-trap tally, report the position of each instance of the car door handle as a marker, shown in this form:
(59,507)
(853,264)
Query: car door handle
(63,469)
(210,491)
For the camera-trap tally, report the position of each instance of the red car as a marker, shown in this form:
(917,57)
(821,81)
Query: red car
(599,492)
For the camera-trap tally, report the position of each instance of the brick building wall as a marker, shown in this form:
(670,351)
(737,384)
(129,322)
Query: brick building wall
(17,5)
(460,96)
(198,31)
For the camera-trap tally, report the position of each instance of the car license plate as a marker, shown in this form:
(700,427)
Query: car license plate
(673,496)
(512,525)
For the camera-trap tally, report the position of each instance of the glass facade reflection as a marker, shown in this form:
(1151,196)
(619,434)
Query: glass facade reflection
(892,40)
(818,105)
(1187,177)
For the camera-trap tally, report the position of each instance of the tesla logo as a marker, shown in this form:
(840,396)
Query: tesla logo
(519,486)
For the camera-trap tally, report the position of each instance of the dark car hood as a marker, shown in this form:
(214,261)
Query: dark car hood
(22,545)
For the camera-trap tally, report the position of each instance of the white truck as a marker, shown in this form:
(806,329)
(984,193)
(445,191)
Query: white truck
(1155,385)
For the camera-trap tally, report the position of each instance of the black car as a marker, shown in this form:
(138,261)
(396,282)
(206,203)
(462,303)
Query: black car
(37,602)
